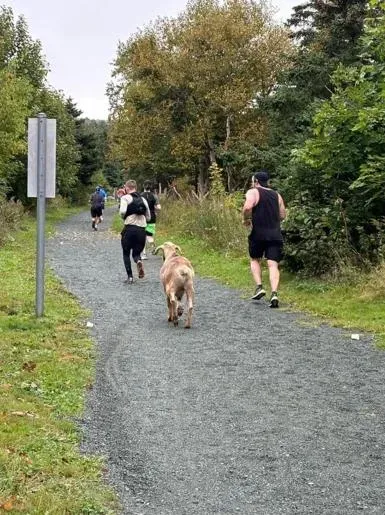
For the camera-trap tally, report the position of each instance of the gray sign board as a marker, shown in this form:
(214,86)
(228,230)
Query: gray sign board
(50,158)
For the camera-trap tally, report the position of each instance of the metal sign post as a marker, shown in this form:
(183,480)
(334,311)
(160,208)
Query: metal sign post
(40,248)
(41,184)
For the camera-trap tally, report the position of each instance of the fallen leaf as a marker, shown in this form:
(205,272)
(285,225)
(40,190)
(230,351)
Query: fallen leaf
(7,505)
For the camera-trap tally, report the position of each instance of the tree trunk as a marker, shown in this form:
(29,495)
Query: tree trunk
(203,178)
(228,133)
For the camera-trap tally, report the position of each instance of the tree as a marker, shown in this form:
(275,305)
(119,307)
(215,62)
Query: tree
(326,34)
(186,89)
(340,169)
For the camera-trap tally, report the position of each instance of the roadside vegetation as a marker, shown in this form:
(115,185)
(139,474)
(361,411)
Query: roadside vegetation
(46,367)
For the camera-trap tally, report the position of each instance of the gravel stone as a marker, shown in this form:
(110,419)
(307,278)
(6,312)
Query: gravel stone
(250,411)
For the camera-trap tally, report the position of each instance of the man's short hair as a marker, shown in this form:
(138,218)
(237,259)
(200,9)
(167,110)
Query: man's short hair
(131,184)
(147,185)
(262,177)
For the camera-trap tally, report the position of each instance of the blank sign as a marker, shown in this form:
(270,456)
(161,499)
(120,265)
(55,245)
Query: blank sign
(50,158)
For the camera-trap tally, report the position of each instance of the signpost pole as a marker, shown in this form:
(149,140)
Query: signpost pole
(41,190)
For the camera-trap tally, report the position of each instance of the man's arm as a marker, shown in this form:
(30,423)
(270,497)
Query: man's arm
(157,204)
(282,208)
(148,213)
(252,199)
(123,206)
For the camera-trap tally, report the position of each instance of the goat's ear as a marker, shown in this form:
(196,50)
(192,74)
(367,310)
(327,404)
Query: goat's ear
(161,247)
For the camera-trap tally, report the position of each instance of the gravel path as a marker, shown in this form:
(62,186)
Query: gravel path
(251,411)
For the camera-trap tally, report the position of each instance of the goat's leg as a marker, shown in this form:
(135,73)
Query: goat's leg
(169,310)
(180,306)
(174,308)
(190,302)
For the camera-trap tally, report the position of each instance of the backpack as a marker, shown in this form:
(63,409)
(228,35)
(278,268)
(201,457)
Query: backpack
(97,200)
(137,206)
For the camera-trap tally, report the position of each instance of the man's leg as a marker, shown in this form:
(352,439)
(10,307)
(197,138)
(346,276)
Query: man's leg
(256,271)
(273,256)
(127,247)
(273,274)
(138,243)
(256,253)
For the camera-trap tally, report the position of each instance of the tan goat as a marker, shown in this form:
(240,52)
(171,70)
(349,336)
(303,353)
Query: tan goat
(177,276)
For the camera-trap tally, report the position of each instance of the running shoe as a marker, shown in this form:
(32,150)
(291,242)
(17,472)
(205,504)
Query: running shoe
(139,265)
(274,302)
(259,293)
(144,256)
(129,280)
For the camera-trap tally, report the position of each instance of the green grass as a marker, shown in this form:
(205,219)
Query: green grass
(46,366)
(341,304)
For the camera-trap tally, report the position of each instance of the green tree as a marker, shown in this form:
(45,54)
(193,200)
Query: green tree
(187,88)
(326,34)
(340,170)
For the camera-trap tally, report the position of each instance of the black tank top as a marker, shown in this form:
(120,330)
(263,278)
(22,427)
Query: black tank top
(151,201)
(265,217)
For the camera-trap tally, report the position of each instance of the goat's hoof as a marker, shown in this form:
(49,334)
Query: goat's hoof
(187,326)
(176,323)
(169,319)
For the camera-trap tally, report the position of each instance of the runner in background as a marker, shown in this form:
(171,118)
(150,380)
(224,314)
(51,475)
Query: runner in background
(154,206)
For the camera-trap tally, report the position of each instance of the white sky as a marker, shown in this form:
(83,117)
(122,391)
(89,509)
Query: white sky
(80,38)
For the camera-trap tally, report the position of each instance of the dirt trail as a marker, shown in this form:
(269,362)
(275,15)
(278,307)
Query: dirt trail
(248,412)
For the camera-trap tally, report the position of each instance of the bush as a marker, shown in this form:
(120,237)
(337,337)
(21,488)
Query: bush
(216,222)
(11,214)
(316,240)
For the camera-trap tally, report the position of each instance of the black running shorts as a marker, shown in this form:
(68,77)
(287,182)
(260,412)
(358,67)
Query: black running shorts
(96,212)
(269,249)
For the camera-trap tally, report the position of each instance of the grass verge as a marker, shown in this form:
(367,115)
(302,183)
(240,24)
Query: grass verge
(46,365)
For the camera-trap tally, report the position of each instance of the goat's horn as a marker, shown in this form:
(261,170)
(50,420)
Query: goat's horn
(161,247)
(178,248)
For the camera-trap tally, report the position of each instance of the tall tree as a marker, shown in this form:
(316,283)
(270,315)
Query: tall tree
(326,33)
(186,88)
(339,181)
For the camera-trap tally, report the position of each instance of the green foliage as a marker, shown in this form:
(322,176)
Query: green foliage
(342,164)
(217,188)
(24,94)
(15,93)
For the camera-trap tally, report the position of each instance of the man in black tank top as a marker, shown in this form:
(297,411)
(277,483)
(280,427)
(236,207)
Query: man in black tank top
(263,211)
(154,205)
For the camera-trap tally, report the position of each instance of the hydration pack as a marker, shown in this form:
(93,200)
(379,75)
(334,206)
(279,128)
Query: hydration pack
(137,206)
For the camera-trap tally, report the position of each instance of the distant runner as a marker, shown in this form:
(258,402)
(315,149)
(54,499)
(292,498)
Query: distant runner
(154,206)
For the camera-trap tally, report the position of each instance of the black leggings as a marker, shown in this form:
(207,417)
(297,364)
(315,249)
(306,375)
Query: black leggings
(133,239)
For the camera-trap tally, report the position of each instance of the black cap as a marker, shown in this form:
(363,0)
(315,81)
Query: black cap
(262,177)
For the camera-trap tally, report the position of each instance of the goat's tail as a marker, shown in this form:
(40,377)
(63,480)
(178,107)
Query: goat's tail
(186,272)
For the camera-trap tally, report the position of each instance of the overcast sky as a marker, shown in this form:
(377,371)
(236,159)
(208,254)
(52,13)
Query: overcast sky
(80,37)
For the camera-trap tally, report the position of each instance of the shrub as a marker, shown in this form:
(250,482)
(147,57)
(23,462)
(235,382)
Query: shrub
(11,214)
(216,222)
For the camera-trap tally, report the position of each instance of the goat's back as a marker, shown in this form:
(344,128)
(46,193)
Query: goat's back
(177,272)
